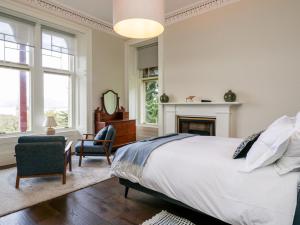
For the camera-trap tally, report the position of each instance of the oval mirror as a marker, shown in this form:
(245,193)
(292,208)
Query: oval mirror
(110,102)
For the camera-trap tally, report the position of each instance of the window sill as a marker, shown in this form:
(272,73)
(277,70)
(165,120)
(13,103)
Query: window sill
(148,125)
(9,137)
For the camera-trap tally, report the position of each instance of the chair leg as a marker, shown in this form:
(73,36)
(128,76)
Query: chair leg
(108,159)
(107,155)
(17,182)
(64,178)
(70,163)
(80,159)
(126,192)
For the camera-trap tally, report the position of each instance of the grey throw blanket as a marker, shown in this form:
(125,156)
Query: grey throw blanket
(132,158)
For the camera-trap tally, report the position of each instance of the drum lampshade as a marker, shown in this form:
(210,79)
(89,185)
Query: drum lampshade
(138,18)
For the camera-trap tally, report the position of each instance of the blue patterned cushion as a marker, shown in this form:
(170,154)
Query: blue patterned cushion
(243,149)
(101,135)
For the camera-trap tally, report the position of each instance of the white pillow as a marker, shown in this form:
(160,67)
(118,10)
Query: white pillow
(290,161)
(271,144)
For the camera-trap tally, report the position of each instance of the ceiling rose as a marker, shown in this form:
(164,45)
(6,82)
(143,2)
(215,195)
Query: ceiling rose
(138,18)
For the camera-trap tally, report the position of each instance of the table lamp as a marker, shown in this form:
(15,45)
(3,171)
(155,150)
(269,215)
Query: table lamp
(50,123)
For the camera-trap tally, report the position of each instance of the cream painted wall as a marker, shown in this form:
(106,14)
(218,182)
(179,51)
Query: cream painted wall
(251,47)
(108,66)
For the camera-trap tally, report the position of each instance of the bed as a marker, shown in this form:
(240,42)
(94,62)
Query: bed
(199,173)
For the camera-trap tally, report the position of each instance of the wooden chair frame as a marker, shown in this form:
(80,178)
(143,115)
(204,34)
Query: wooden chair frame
(67,160)
(105,147)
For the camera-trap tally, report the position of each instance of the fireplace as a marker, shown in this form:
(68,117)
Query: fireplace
(205,126)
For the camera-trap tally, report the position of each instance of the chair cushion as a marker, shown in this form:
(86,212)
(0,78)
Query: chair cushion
(111,134)
(89,147)
(101,135)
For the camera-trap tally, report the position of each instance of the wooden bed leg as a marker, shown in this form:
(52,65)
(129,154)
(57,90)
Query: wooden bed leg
(126,192)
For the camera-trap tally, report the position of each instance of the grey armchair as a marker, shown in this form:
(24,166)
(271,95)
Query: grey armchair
(42,156)
(100,145)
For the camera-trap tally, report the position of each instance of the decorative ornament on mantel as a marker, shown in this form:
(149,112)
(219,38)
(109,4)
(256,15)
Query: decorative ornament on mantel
(230,96)
(190,99)
(164,98)
(138,18)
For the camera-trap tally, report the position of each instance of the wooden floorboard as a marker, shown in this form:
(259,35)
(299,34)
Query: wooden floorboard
(104,204)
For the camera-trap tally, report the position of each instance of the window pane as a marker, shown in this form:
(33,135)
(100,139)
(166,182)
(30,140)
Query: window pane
(151,101)
(57,50)
(57,98)
(16,53)
(14,101)
(57,60)
(16,41)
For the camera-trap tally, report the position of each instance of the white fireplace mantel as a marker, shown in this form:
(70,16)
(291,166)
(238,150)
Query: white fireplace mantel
(222,111)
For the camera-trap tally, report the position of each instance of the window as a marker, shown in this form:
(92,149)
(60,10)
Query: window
(51,79)
(14,101)
(16,52)
(57,49)
(16,40)
(149,101)
(57,54)
(56,98)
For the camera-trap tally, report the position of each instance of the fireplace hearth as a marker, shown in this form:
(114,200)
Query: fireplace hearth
(205,126)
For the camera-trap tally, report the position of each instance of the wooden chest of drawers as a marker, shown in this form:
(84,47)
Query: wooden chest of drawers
(125,131)
(125,128)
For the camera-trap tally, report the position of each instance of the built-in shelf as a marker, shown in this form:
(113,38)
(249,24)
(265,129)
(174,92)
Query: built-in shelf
(202,103)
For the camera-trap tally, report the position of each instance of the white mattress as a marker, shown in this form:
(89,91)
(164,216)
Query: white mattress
(200,172)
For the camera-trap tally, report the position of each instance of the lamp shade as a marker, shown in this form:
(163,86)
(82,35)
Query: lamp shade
(50,122)
(138,18)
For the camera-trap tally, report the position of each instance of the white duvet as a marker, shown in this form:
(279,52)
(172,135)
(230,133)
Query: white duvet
(200,172)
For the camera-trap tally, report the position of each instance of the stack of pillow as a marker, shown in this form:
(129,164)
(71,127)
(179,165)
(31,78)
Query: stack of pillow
(279,144)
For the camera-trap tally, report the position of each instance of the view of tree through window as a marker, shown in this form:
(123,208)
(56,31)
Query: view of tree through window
(151,101)
(56,98)
(14,101)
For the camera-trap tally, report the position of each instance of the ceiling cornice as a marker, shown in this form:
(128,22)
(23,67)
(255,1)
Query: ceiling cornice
(70,14)
(196,9)
(50,6)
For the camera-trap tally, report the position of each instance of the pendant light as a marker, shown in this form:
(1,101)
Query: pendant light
(138,18)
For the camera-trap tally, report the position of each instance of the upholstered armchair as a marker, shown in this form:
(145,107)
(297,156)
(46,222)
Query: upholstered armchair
(96,145)
(42,156)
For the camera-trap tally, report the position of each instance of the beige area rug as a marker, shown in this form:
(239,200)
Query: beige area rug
(36,190)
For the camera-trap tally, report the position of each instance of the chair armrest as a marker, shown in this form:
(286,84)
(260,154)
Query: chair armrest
(98,141)
(88,134)
(68,147)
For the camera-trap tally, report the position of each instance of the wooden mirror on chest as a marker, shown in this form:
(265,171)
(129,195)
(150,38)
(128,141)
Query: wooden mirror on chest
(110,113)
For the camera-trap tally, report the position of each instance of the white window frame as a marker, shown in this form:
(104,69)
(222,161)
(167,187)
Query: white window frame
(25,67)
(36,70)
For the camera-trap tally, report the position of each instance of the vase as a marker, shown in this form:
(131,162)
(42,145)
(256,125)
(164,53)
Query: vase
(164,98)
(230,96)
